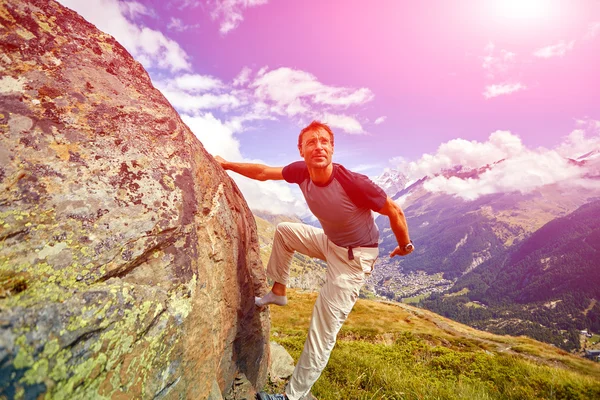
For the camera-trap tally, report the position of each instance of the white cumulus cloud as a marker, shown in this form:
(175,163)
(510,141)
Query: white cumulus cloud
(197,83)
(581,140)
(299,94)
(555,50)
(229,13)
(469,154)
(347,123)
(502,89)
(286,85)
(380,120)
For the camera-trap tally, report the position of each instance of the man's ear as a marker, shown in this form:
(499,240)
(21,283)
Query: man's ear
(300,150)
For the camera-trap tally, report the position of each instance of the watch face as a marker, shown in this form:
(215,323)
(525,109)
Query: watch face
(409,247)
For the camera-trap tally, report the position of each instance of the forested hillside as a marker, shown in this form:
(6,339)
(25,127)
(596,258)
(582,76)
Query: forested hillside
(547,287)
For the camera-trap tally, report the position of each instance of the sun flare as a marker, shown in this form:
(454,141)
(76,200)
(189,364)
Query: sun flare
(522,9)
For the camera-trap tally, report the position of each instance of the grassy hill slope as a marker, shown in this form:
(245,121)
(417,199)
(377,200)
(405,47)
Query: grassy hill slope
(395,351)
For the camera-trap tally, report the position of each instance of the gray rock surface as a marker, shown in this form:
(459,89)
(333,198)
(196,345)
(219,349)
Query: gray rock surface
(282,364)
(128,259)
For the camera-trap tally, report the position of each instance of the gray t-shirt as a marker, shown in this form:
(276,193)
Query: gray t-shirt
(343,205)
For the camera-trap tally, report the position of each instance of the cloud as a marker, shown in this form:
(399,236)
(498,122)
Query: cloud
(190,103)
(148,46)
(365,167)
(183,4)
(277,197)
(496,64)
(216,137)
(502,89)
(298,94)
(134,9)
(195,93)
(229,12)
(345,122)
(268,95)
(380,120)
(503,164)
(581,140)
(243,77)
(523,173)
(556,50)
(284,85)
(468,154)
(593,30)
(176,24)
(197,83)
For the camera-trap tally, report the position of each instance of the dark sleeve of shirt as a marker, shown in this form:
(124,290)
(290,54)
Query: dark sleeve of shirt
(296,172)
(361,190)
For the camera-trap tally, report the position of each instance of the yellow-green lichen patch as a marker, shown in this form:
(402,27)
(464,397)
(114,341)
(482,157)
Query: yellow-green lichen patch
(24,33)
(24,358)
(168,182)
(107,47)
(37,373)
(123,347)
(180,301)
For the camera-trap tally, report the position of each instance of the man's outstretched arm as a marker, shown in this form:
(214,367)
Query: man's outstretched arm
(259,172)
(398,225)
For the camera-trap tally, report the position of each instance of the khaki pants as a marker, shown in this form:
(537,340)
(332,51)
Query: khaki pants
(335,301)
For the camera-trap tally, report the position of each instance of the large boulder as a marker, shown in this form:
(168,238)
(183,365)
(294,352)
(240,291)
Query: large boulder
(129,260)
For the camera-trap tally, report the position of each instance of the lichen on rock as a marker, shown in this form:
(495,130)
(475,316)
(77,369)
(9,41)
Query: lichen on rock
(128,259)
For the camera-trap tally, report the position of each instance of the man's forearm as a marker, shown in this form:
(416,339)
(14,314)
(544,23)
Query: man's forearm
(249,170)
(399,227)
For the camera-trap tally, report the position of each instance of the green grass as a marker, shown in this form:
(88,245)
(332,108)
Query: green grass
(415,299)
(390,351)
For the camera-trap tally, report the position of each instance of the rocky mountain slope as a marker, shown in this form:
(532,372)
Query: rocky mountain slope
(129,261)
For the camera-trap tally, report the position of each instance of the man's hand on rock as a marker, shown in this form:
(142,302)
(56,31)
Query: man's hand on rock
(221,161)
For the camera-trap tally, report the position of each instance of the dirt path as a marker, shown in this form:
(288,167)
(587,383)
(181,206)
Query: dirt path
(592,304)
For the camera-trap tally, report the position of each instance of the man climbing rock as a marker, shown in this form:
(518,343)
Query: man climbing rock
(342,201)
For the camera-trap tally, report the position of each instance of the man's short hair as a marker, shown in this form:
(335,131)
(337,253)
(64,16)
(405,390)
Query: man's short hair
(315,126)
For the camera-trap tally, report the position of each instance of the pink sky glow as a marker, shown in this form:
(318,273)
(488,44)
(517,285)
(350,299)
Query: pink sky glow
(395,79)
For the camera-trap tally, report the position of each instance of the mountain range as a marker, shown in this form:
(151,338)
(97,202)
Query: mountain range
(473,257)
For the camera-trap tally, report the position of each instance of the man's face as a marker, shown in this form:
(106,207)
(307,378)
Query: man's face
(316,148)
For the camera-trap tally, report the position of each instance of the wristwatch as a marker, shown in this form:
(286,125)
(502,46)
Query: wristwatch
(409,247)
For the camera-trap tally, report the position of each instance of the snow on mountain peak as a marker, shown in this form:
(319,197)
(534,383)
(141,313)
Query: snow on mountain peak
(391,181)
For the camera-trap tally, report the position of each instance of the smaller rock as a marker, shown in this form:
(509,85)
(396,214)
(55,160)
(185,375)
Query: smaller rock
(282,364)
(241,389)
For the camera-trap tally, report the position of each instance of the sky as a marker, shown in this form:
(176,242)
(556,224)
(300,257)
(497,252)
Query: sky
(415,85)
